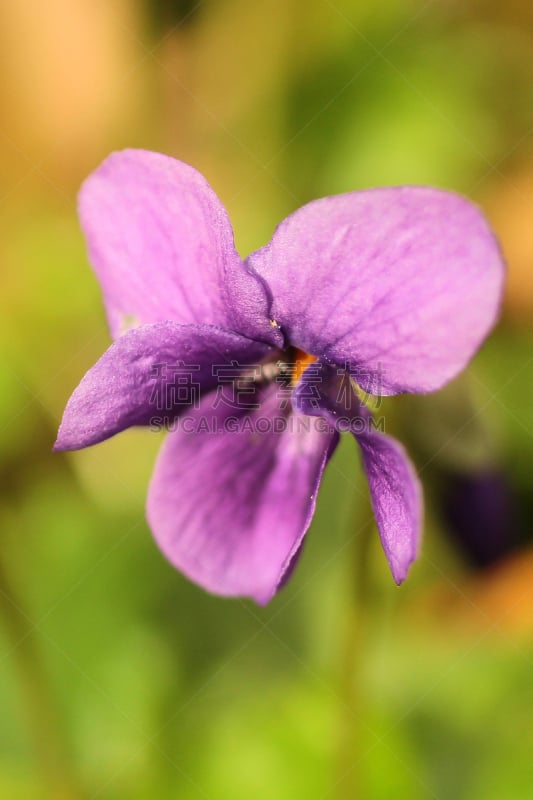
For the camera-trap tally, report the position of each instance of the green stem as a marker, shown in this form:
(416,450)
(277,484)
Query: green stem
(350,744)
(44,730)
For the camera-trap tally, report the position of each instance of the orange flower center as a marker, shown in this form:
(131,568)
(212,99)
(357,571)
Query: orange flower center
(301,362)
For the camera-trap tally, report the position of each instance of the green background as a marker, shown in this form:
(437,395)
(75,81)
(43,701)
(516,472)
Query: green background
(118,678)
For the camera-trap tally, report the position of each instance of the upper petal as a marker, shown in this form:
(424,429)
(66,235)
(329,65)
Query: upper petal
(161,244)
(231,499)
(400,283)
(151,372)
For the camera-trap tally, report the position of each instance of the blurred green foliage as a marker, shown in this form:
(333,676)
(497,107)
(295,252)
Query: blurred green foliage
(147,686)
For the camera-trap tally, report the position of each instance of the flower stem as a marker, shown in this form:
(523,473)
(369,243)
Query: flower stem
(39,708)
(351,691)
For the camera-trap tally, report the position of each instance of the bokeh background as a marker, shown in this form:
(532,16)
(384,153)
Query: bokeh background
(119,679)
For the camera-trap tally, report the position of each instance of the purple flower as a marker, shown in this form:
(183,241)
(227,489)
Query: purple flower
(398,285)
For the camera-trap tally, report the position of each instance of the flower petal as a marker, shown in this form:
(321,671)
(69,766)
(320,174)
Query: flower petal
(151,372)
(229,505)
(161,244)
(400,284)
(395,490)
(396,499)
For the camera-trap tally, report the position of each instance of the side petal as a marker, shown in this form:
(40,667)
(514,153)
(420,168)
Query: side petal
(232,496)
(401,285)
(396,499)
(395,491)
(151,372)
(161,245)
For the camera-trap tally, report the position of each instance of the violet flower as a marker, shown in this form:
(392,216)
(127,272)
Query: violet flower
(404,282)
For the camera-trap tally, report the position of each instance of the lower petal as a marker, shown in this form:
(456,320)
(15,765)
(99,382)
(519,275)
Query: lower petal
(230,501)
